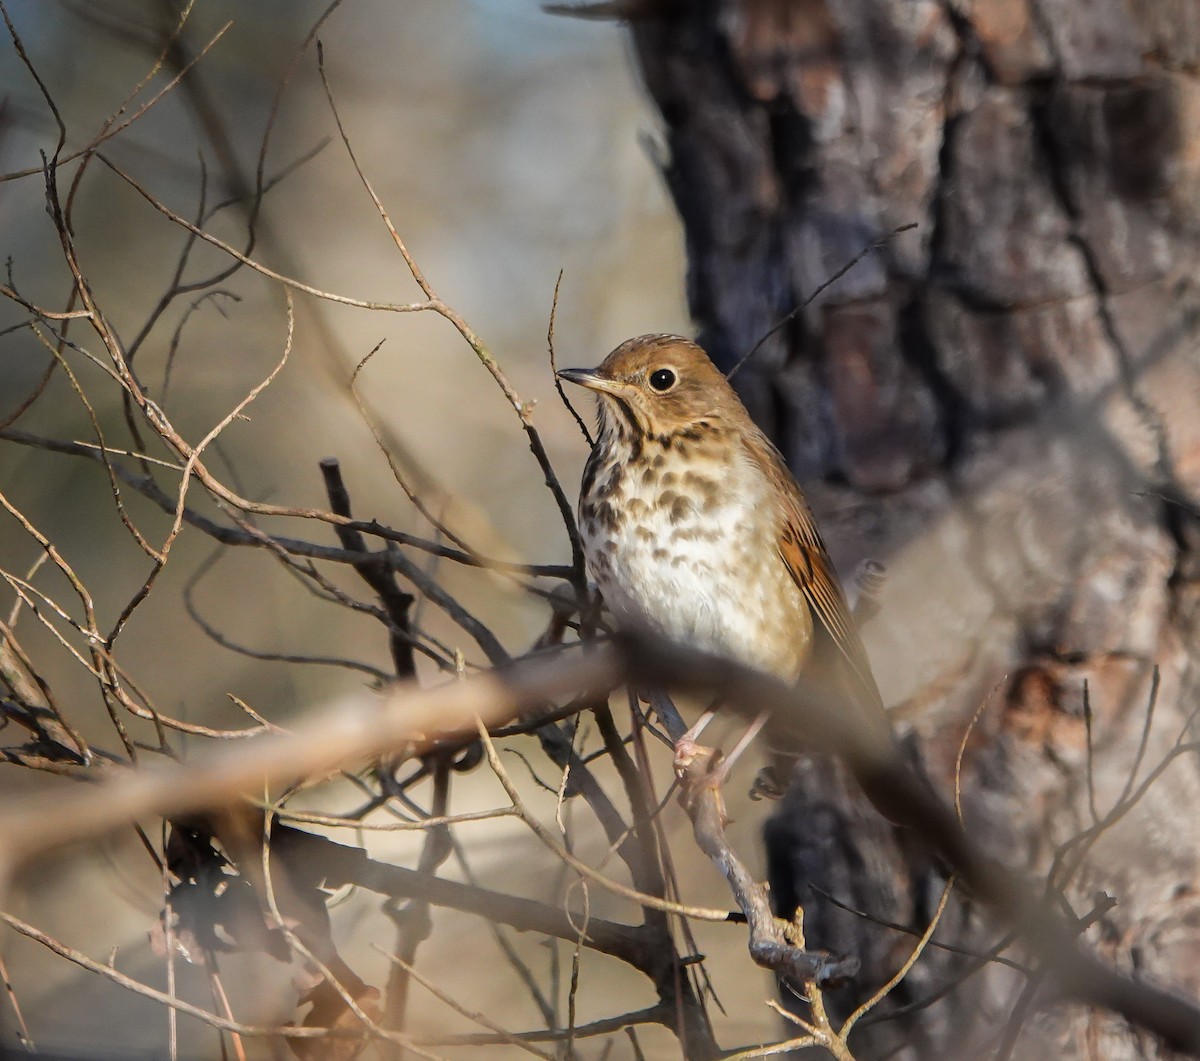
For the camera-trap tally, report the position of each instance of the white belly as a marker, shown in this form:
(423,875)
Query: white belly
(702,567)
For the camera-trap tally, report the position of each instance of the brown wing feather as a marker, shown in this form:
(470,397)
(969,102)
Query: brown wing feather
(807,561)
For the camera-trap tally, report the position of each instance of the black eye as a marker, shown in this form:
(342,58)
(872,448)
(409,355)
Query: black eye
(662,379)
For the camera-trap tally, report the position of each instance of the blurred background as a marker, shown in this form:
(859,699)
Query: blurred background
(997,402)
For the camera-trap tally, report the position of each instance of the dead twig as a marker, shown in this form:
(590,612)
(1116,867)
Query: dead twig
(768,944)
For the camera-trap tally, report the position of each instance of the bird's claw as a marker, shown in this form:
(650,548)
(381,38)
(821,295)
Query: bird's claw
(701,770)
(768,785)
(686,752)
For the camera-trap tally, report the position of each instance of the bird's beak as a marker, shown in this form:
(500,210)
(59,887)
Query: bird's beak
(590,378)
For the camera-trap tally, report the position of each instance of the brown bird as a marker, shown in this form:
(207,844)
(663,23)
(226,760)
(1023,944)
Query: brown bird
(693,526)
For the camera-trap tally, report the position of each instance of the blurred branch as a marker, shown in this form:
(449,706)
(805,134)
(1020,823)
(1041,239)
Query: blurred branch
(413,922)
(652,902)
(33,706)
(23,1035)
(618,10)
(356,730)
(500,1035)
(110,128)
(656,1014)
(217,637)
(339,865)
(130,984)
(233,252)
(149,489)
(380,577)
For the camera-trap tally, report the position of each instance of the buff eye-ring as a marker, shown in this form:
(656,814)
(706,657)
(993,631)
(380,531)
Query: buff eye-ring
(662,379)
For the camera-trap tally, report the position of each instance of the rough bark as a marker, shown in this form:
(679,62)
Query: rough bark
(1004,405)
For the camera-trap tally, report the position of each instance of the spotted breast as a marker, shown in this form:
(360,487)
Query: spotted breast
(676,533)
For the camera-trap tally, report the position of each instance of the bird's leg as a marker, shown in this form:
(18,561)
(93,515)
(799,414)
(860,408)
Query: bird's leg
(771,782)
(706,769)
(685,746)
(722,773)
(701,723)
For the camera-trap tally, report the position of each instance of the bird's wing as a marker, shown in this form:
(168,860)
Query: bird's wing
(807,561)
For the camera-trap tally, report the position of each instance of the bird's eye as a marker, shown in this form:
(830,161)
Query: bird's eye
(662,379)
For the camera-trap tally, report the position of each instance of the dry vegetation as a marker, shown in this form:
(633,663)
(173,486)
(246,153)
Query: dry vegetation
(239,822)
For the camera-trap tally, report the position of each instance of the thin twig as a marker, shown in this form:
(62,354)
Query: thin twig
(883,241)
(502,1035)
(562,394)
(904,969)
(23,1035)
(162,997)
(652,902)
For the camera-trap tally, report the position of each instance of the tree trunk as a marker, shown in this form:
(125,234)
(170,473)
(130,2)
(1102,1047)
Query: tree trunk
(1004,406)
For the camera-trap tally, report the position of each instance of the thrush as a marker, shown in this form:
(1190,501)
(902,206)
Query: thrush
(693,527)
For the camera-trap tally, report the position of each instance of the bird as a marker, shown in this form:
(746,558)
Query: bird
(693,527)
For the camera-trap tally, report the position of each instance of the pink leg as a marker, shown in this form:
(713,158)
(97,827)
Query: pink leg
(685,747)
(753,731)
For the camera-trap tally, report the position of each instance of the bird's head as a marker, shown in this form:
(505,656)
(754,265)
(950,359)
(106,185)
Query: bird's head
(657,386)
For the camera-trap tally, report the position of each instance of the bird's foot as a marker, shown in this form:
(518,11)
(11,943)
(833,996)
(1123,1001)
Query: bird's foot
(701,770)
(769,783)
(695,761)
(687,751)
